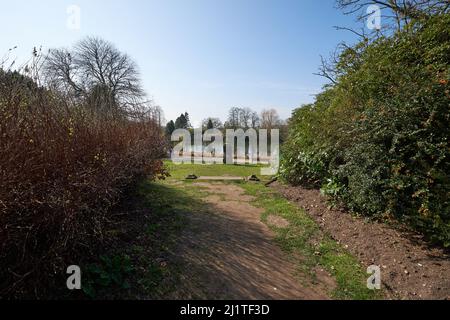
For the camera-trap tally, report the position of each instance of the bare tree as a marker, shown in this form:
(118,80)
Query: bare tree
(245,117)
(233,121)
(254,119)
(400,11)
(270,119)
(328,69)
(212,123)
(94,70)
(153,112)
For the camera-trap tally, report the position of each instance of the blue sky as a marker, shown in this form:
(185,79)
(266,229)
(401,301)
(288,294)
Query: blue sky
(200,56)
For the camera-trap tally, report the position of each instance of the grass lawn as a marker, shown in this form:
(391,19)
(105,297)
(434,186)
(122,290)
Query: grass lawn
(182,171)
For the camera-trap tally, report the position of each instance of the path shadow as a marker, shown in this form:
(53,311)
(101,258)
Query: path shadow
(226,252)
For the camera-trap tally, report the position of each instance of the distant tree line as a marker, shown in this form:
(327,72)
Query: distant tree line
(182,122)
(238,118)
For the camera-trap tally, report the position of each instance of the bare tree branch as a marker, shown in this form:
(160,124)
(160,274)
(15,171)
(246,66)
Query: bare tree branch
(94,70)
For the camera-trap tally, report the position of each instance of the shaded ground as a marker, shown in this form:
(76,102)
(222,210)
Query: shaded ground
(179,239)
(410,268)
(226,252)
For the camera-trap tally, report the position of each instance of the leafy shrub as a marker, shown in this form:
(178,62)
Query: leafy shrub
(62,168)
(332,188)
(305,159)
(381,135)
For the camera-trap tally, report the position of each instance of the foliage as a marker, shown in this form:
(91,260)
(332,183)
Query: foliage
(108,272)
(170,128)
(212,123)
(95,71)
(242,118)
(183,122)
(62,168)
(381,133)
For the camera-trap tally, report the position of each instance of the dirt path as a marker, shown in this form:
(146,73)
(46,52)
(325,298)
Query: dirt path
(226,252)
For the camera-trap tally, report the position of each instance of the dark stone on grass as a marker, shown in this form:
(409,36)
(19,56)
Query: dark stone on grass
(254,178)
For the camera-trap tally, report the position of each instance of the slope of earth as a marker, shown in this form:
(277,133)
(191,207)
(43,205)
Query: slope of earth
(410,268)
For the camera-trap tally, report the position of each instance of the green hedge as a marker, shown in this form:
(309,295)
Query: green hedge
(378,139)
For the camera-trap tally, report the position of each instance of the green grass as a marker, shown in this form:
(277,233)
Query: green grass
(169,204)
(303,238)
(182,171)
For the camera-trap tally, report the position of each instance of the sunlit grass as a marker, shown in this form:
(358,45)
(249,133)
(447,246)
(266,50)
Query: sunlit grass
(183,170)
(303,238)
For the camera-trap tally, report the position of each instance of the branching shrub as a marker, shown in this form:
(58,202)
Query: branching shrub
(62,167)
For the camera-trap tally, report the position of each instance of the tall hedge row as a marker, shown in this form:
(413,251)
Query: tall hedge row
(378,140)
